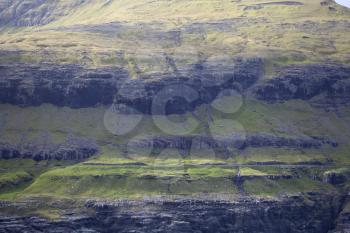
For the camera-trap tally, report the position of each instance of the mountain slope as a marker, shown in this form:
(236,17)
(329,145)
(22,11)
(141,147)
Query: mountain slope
(99,33)
(169,102)
(24,13)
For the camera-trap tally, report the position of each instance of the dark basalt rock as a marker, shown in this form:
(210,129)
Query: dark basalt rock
(77,87)
(74,149)
(231,141)
(308,81)
(206,82)
(74,86)
(342,223)
(308,213)
(336,178)
(69,85)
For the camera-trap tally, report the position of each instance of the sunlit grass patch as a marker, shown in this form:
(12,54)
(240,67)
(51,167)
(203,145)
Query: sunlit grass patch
(269,187)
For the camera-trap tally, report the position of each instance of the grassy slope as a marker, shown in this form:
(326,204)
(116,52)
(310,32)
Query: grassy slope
(280,33)
(170,173)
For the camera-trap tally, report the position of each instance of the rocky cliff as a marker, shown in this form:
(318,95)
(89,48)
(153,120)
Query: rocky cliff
(232,141)
(72,149)
(312,213)
(72,85)
(77,87)
(330,83)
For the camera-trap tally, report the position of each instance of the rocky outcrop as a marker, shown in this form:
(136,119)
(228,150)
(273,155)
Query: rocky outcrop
(336,177)
(342,223)
(305,82)
(309,213)
(36,224)
(74,86)
(69,85)
(231,141)
(74,149)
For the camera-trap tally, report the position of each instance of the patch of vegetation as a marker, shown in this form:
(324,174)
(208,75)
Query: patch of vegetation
(246,171)
(85,33)
(290,119)
(112,174)
(8,180)
(266,187)
(17,174)
(86,181)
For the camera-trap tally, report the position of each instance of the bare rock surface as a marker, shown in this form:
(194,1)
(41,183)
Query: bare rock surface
(313,213)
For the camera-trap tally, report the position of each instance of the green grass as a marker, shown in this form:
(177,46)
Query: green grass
(110,174)
(157,170)
(291,119)
(12,193)
(85,181)
(266,187)
(246,171)
(248,33)
(8,180)
(113,182)
(283,155)
(243,36)
(18,174)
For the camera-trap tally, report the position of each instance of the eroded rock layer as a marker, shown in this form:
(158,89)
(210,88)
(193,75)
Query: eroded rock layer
(313,213)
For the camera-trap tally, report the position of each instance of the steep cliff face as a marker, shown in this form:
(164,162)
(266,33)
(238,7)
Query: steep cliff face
(328,82)
(74,149)
(59,85)
(293,214)
(342,223)
(313,213)
(77,87)
(232,141)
